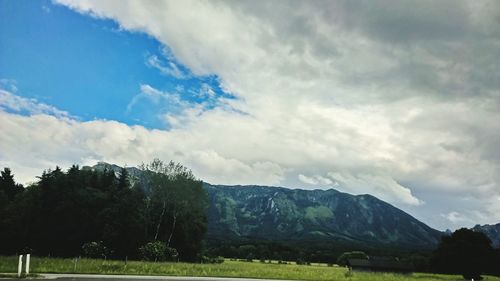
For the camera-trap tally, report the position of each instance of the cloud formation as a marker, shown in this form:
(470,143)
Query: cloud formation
(396,99)
(14,103)
(166,68)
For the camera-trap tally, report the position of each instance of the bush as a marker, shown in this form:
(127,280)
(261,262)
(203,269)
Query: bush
(171,254)
(206,259)
(342,260)
(158,251)
(218,259)
(95,250)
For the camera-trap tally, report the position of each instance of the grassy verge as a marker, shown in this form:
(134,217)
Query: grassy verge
(226,269)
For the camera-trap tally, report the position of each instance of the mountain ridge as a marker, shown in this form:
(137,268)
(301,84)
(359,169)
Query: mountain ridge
(259,212)
(490,230)
(263,212)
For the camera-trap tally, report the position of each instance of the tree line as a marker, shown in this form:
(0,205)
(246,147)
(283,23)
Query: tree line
(78,211)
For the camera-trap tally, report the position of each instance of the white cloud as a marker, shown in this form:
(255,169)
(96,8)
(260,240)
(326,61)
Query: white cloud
(317,180)
(206,91)
(8,84)
(378,185)
(166,68)
(15,103)
(455,217)
(29,150)
(464,217)
(155,96)
(387,98)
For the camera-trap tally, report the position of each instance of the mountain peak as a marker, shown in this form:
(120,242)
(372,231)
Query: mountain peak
(492,231)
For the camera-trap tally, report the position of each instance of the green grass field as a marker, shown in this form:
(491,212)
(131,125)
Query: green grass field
(229,268)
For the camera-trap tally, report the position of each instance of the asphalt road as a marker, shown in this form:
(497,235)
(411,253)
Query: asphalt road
(95,277)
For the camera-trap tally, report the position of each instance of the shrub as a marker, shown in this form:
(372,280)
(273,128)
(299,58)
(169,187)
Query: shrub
(207,259)
(158,251)
(342,260)
(171,254)
(95,250)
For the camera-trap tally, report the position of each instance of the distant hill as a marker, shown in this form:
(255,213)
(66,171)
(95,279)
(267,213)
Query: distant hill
(275,213)
(492,231)
(101,166)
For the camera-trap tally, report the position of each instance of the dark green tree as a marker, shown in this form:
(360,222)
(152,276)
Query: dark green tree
(158,251)
(176,207)
(123,179)
(464,252)
(8,186)
(95,250)
(342,259)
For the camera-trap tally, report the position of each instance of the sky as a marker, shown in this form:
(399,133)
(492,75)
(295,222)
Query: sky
(398,99)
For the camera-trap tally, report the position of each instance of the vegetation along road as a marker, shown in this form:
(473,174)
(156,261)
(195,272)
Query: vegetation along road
(44,267)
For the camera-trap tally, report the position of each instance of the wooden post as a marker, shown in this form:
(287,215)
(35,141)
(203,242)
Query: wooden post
(20,266)
(28,264)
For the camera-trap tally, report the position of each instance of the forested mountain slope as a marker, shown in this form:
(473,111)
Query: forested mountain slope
(275,213)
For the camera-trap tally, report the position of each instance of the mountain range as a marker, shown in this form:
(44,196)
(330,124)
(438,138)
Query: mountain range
(492,231)
(281,214)
(277,213)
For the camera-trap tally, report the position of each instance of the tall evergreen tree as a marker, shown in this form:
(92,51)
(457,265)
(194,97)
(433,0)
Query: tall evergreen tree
(8,186)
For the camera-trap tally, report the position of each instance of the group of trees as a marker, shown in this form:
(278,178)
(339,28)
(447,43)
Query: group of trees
(468,253)
(309,251)
(67,212)
(272,250)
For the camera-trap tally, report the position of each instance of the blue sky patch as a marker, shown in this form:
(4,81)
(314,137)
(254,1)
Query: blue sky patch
(92,68)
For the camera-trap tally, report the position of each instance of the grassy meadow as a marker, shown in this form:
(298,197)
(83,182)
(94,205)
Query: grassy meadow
(315,272)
